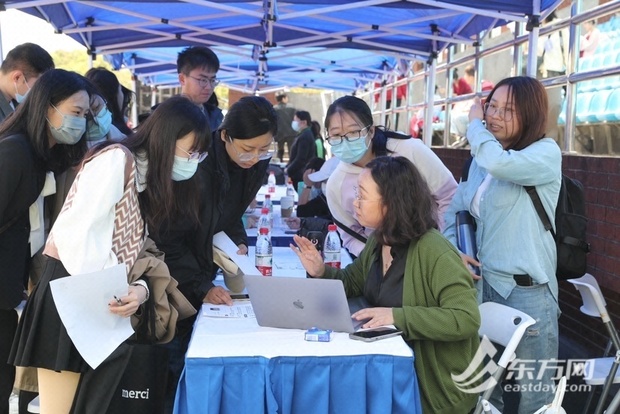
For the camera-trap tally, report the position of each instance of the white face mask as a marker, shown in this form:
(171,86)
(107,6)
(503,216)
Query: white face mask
(183,169)
(324,187)
(295,125)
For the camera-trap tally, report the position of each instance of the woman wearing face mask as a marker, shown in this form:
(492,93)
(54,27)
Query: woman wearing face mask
(118,192)
(37,138)
(113,94)
(303,148)
(356,141)
(517,256)
(230,177)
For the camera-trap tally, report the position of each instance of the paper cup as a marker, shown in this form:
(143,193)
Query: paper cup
(287,204)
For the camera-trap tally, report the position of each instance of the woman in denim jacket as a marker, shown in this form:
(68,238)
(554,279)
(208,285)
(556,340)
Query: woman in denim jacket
(517,256)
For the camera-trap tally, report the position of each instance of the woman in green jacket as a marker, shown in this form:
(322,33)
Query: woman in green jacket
(413,277)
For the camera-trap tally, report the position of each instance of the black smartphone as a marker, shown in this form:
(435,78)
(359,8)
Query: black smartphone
(375,334)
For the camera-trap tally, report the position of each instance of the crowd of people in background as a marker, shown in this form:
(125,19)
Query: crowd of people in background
(187,172)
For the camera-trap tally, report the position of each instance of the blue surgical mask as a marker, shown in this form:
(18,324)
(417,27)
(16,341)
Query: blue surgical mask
(295,125)
(70,131)
(183,169)
(100,126)
(18,96)
(351,152)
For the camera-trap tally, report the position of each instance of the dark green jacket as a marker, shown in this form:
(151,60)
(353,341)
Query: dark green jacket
(439,317)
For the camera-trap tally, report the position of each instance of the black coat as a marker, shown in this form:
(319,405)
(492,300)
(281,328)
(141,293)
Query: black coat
(189,249)
(303,149)
(22,176)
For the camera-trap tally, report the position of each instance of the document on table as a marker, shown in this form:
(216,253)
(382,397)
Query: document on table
(82,303)
(245,263)
(239,309)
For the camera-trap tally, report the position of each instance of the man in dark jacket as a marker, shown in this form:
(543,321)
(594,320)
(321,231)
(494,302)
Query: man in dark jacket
(304,147)
(197,67)
(286,133)
(19,71)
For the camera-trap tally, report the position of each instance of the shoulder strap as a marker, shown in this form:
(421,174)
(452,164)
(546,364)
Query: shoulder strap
(531,191)
(465,172)
(350,232)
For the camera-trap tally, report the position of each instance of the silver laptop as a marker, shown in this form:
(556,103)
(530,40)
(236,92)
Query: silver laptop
(300,303)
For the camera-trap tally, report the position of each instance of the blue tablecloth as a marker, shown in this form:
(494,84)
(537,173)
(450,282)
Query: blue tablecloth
(235,366)
(339,384)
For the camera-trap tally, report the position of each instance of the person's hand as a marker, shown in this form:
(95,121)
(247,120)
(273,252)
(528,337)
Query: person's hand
(476,112)
(243,249)
(218,296)
(307,180)
(469,261)
(251,221)
(377,317)
(130,303)
(96,104)
(309,256)
(293,223)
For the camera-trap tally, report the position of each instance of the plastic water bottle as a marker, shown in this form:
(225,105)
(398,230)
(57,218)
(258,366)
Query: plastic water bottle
(290,190)
(331,247)
(264,252)
(271,182)
(263,220)
(269,204)
(466,236)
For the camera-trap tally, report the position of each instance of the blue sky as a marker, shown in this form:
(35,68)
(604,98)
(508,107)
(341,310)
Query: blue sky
(17,27)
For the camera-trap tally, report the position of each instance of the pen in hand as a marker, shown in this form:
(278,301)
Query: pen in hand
(120,302)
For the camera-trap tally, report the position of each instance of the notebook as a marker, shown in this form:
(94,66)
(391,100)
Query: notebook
(300,303)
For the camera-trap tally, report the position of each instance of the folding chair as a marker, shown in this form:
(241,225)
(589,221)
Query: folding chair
(600,371)
(505,326)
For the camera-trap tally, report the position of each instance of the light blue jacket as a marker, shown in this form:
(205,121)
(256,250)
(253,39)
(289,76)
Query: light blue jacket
(510,236)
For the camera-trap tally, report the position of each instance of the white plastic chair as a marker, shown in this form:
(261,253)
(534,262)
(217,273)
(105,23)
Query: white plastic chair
(556,406)
(505,326)
(600,371)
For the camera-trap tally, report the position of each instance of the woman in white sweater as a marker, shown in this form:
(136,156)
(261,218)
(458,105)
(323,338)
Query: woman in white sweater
(120,190)
(356,141)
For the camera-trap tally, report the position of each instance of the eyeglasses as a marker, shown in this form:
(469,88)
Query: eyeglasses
(249,156)
(503,112)
(193,156)
(204,82)
(359,198)
(349,136)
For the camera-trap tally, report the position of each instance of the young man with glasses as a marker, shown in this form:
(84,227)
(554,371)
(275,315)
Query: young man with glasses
(197,67)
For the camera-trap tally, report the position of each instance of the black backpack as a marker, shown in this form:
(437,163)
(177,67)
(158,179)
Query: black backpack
(570,224)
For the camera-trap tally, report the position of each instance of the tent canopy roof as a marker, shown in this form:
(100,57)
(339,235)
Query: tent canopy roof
(333,44)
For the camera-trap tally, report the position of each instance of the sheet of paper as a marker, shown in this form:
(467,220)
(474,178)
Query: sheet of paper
(82,303)
(239,309)
(245,263)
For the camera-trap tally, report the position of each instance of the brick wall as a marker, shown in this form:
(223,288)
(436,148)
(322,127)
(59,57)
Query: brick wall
(601,179)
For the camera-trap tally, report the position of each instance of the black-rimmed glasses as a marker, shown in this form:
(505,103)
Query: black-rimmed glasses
(349,136)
